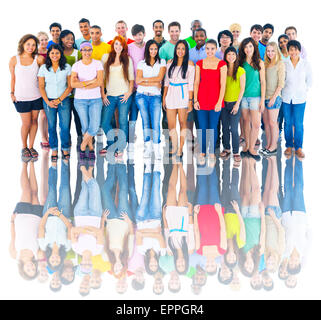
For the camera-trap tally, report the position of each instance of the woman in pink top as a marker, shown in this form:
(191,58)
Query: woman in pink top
(178,94)
(178,221)
(25,92)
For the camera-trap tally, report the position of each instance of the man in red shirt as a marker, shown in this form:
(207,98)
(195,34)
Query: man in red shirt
(121,29)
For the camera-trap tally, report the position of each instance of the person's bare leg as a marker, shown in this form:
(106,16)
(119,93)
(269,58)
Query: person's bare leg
(255,128)
(255,185)
(33,184)
(274,187)
(33,128)
(44,176)
(171,119)
(267,186)
(85,141)
(25,128)
(182,118)
(182,196)
(171,193)
(247,128)
(25,184)
(274,128)
(245,190)
(43,127)
(267,128)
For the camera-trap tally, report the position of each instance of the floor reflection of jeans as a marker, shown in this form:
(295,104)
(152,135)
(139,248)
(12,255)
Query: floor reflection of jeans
(133,201)
(230,190)
(89,202)
(64,201)
(116,172)
(207,188)
(293,189)
(150,207)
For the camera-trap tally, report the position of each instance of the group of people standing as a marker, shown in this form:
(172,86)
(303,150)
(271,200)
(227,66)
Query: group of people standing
(218,85)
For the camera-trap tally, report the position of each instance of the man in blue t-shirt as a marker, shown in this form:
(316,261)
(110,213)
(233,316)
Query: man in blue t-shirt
(55,30)
(268,31)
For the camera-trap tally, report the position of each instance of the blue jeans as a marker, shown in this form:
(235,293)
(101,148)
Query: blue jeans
(116,172)
(64,201)
(133,201)
(89,201)
(76,118)
(150,109)
(64,113)
(207,188)
(150,207)
(293,117)
(293,195)
(89,111)
(208,121)
(106,121)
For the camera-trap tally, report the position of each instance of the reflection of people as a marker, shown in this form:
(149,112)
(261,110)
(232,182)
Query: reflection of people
(252,211)
(275,237)
(209,224)
(120,230)
(25,223)
(55,226)
(178,221)
(149,239)
(295,221)
(87,235)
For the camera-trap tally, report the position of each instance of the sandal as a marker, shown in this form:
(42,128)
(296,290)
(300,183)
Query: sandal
(65,156)
(211,162)
(237,157)
(34,153)
(103,151)
(44,145)
(54,158)
(225,154)
(26,155)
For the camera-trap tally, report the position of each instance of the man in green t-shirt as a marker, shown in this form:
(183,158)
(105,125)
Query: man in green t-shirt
(166,52)
(196,24)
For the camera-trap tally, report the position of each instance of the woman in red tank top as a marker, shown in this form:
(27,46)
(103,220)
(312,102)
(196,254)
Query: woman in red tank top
(209,90)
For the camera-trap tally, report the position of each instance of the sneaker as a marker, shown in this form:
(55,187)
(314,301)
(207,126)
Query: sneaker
(157,151)
(256,157)
(148,149)
(271,153)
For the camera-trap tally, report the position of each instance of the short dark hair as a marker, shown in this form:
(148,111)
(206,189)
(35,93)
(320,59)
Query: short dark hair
(257,27)
(290,28)
(158,21)
(174,290)
(268,26)
(226,33)
(283,36)
(55,24)
(95,27)
(174,24)
(295,44)
(257,287)
(268,288)
(55,289)
(84,20)
(200,30)
(138,285)
(137,28)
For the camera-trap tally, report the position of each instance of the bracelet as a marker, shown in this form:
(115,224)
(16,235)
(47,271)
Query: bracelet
(195,101)
(12,93)
(59,100)
(190,100)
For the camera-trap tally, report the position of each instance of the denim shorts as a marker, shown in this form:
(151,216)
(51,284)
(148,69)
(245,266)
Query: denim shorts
(277,104)
(250,103)
(28,106)
(277,210)
(250,211)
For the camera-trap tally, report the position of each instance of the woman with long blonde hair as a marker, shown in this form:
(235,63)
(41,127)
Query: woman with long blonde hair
(275,79)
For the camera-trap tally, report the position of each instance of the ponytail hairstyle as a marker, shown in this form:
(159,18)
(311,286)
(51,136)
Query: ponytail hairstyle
(184,66)
(124,58)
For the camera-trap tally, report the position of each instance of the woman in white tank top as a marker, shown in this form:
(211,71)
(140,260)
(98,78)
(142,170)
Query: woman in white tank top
(25,93)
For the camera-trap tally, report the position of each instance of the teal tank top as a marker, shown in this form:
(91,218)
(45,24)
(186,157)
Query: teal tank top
(253,84)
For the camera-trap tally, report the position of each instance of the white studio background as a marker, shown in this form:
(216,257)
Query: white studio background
(21,17)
